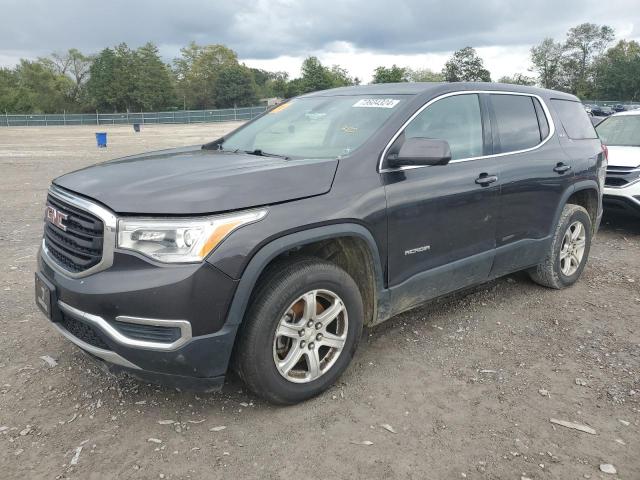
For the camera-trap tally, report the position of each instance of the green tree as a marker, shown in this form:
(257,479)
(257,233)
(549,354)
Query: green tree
(341,78)
(617,72)
(316,76)
(112,84)
(425,75)
(584,42)
(466,66)
(74,64)
(235,87)
(547,63)
(8,90)
(100,84)
(153,87)
(294,88)
(197,71)
(518,79)
(393,74)
(38,89)
(277,85)
(122,80)
(270,84)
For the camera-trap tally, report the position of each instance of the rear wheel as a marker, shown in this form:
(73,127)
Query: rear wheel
(569,250)
(300,332)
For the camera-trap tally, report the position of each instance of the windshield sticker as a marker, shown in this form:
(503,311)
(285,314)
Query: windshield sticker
(376,103)
(281,107)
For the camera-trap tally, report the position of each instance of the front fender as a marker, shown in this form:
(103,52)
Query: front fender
(268,252)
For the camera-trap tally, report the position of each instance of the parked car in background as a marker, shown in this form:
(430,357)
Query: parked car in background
(621,134)
(597,111)
(607,110)
(269,249)
(619,108)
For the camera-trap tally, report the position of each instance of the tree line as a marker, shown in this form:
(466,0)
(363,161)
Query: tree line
(584,63)
(120,79)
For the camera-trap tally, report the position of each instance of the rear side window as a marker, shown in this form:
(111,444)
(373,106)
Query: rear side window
(457,120)
(574,119)
(517,122)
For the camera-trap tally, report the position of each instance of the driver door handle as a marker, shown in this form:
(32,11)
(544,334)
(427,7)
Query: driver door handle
(485,179)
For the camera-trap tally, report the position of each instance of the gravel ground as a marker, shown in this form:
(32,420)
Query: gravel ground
(461,388)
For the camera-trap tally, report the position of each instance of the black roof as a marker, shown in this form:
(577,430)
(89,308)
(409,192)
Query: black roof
(420,88)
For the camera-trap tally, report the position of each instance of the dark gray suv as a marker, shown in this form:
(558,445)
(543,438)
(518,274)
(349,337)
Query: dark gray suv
(271,248)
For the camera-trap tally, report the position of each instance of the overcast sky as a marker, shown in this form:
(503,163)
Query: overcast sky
(278,34)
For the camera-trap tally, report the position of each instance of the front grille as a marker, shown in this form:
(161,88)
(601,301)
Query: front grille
(79,247)
(621,176)
(83,331)
(149,333)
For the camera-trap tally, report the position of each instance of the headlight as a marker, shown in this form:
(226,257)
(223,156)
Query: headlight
(180,240)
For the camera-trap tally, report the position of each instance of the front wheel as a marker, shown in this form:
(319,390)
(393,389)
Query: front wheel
(300,332)
(569,250)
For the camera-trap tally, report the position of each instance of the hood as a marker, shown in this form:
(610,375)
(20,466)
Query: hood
(189,180)
(624,156)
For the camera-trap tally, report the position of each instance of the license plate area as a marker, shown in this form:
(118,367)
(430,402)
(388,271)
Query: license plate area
(45,292)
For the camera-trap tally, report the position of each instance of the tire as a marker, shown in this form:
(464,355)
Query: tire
(279,304)
(553,272)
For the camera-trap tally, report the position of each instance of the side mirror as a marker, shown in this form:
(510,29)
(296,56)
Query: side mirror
(419,151)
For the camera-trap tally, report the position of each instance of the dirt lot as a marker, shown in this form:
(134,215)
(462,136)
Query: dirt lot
(468,385)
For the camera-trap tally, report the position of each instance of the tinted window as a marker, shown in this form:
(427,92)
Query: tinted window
(455,119)
(574,119)
(517,122)
(542,120)
(623,130)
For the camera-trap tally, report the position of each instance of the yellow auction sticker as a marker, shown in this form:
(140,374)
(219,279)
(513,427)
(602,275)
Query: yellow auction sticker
(281,107)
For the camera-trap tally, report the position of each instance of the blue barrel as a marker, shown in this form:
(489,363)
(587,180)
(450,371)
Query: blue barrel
(136,127)
(101,139)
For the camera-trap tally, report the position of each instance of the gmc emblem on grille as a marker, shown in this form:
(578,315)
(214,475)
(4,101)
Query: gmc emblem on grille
(55,217)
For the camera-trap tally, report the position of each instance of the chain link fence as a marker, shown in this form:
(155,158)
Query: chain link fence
(142,118)
(611,103)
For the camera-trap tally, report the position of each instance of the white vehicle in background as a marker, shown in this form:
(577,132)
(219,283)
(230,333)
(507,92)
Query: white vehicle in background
(621,134)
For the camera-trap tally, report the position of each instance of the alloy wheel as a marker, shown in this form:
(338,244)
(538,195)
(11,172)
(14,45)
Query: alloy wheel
(572,250)
(310,336)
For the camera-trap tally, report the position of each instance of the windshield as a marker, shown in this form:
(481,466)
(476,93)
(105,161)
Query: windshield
(315,127)
(623,131)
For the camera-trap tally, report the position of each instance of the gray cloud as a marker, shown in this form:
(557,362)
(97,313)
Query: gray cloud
(270,28)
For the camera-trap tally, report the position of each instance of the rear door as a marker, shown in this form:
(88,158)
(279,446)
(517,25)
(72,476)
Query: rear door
(535,172)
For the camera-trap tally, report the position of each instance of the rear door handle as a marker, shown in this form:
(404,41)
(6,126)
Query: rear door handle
(485,179)
(562,168)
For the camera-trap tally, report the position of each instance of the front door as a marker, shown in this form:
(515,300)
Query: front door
(442,219)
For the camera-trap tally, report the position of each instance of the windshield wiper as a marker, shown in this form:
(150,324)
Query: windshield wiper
(261,153)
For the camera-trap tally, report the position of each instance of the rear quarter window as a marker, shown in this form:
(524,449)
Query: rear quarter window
(574,119)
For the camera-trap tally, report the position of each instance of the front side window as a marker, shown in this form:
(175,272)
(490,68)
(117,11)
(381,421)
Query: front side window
(457,120)
(315,127)
(517,122)
(621,131)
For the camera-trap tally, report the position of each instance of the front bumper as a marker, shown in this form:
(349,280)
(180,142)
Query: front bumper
(164,324)
(623,199)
